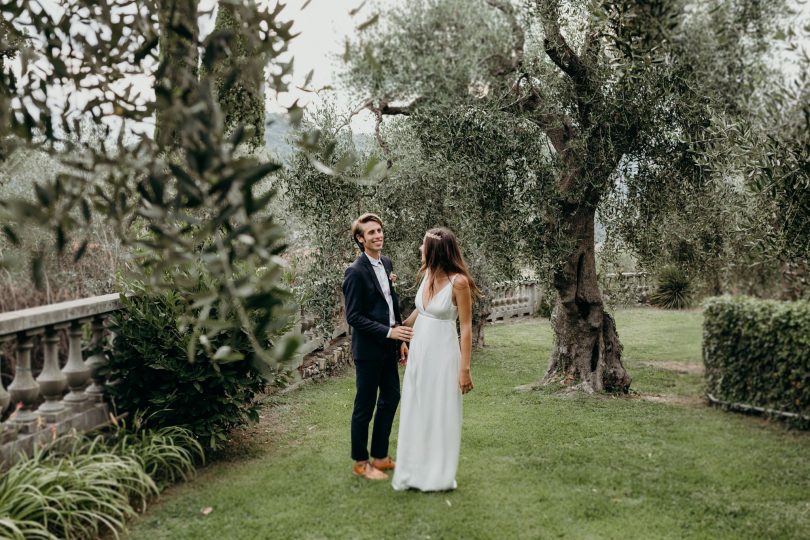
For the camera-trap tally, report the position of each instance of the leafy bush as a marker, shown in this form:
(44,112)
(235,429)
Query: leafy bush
(79,487)
(153,378)
(674,289)
(757,352)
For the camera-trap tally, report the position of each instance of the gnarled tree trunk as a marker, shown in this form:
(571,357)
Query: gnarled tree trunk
(241,98)
(176,76)
(587,351)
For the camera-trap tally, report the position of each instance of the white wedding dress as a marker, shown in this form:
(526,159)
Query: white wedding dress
(430,412)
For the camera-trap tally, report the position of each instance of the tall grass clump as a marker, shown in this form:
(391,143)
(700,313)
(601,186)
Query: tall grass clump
(81,487)
(167,454)
(674,289)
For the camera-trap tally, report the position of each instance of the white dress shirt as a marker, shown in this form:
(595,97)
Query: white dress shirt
(382,278)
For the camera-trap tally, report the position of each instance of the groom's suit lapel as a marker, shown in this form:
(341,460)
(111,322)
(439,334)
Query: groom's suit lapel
(370,269)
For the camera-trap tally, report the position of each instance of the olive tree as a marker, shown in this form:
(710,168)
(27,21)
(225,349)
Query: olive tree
(562,105)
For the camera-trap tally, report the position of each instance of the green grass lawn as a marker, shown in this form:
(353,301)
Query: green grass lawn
(658,464)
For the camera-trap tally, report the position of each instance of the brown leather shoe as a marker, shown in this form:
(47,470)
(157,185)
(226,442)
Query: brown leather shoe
(385,464)
(368,472)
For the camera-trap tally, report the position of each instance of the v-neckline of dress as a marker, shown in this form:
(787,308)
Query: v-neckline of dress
(424,305)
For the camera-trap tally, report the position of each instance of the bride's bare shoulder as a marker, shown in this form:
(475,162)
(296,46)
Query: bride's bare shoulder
(461,282)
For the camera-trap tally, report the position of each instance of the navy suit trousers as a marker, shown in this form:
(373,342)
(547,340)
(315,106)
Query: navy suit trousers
(377,384)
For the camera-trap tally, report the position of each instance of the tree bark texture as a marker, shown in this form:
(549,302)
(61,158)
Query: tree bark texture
(587,351)
(176,78)
(10,42)
(238,80)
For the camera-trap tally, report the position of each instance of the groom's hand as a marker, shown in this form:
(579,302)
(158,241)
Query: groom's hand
(403,354)
(401,333)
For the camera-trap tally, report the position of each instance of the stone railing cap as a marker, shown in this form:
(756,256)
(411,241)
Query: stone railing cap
(21,320)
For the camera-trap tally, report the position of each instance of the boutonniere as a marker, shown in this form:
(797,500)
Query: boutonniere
(393,278)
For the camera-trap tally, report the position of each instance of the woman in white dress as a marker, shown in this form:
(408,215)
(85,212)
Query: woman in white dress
(438,369)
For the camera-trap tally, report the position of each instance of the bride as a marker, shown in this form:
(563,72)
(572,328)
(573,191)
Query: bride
(438,368)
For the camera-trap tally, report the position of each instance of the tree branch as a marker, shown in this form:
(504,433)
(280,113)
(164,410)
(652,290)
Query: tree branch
(379,108)
(384,108)
(398,109)
(558,127)
(385,148)
(558,49)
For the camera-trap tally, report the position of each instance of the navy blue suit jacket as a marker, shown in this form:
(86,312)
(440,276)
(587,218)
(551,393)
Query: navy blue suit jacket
(367,310)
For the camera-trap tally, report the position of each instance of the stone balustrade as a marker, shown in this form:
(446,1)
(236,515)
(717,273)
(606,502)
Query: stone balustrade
(59,398)
(65,394)
(513,299)
(626,287)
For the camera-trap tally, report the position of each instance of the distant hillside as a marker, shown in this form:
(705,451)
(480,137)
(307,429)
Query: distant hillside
(278,133)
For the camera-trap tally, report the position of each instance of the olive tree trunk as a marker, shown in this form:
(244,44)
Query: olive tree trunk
(176,76)
(587,351)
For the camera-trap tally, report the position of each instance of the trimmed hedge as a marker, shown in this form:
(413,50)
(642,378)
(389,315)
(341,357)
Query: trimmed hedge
(757,353)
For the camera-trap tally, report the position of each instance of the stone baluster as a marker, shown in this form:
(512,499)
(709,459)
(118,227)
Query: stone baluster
(95,391)
(512,299)
(75,370)
(24,390)
(5,399)
(52,382)
(531,298)
(524,300)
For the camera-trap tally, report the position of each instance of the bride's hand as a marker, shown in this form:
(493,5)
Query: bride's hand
(465,381)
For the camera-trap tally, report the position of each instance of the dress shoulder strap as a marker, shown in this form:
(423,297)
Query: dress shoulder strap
(453,278)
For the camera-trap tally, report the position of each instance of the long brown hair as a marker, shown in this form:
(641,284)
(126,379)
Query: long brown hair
(442,253)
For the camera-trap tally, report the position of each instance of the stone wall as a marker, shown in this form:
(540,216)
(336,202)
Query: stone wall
(330,360)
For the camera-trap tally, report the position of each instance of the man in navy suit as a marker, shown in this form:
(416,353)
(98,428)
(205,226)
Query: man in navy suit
(372,310)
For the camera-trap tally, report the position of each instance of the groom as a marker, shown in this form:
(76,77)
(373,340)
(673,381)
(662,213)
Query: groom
(372,310)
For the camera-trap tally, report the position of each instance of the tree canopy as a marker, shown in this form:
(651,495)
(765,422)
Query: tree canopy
(552,110)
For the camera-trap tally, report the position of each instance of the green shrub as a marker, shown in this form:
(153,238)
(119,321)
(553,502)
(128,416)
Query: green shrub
(81,487)
(757,352)
(674,289)
(152,378)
